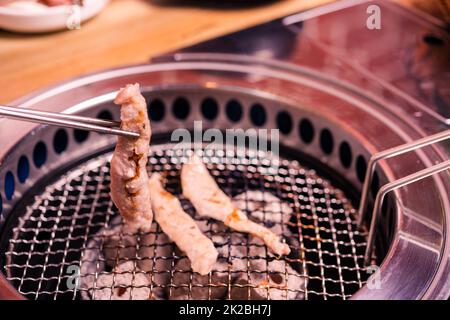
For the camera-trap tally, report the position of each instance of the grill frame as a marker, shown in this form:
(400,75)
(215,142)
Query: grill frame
(85,92)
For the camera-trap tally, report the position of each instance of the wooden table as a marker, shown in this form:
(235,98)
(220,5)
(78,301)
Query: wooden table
(126,32)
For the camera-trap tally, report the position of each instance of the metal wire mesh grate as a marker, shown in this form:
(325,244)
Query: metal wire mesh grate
(70,226)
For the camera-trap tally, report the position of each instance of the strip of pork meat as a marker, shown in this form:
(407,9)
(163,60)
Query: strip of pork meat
(204,193)
(129,179)
(181,228)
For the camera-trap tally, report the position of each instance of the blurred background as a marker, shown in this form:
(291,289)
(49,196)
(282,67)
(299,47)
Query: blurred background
(132,31)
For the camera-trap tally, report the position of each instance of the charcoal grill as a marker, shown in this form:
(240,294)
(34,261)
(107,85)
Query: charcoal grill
(55,182)
(356,230)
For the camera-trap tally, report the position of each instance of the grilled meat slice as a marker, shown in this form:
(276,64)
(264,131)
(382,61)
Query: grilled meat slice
(129,179)
(181,228)
(204,193)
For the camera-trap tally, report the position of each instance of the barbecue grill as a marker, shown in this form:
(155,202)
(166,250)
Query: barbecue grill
(54,182)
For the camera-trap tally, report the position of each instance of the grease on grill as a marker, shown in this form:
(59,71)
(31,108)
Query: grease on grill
(73,221)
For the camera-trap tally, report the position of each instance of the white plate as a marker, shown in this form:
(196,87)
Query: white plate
(45,19)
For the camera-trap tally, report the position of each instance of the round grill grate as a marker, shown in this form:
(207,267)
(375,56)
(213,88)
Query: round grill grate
(63,225)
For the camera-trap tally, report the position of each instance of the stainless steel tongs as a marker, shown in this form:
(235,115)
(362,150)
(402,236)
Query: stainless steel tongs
(66,120)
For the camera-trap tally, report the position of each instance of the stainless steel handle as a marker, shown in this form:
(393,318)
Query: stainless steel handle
(384,190)
(389,153)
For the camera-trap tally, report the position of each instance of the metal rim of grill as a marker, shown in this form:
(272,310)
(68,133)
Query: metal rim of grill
(57,227)
(276,88)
